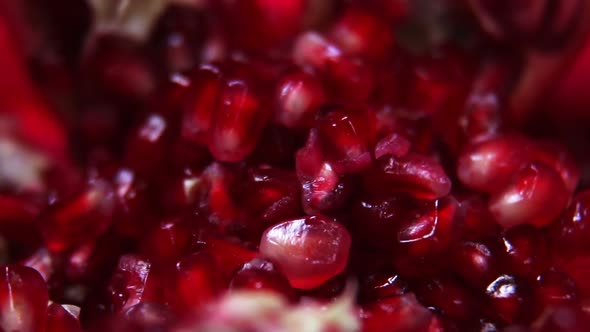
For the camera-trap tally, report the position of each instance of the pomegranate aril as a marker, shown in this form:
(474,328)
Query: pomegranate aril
(17,219)
(448,296)
(229,255)
(309,251)
(488,166)
(528,23)
(179,36)
(481,117)
(255,25)
(535,195)
(128,282)
(509,300)
(430,228)
(181,191)
(554,287)
(345,78)
(200,101)
(572,233)
(116,66)
(268,196)
(525,251)
(134,211)
(277,147)
(322,188)
(298,96)
(168,241)
(478,222)
(148,317)
(565,318)
(375,221)
(474,262)
(239,117)
(438,83)
(147,144)
(261,274)
(381,285)
(401,313)
(79,218)
(346,137)
(197,281)
(23,299)
(393,144)
(560,160)
(415,174)
(219,203)
(360,32)
(94,261)
(62,318)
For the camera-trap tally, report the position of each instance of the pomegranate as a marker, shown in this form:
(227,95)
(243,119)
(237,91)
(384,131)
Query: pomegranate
(295,165)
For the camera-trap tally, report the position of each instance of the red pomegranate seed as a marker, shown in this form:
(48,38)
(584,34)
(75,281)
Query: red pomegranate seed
(179,36)
(146,317)
(17,219)
(168,241)
(573,231)
(578,268)
(23,299)
(220,181)
(62,318)
(509,300)
(448,296)
(147,144)
(481,117)
(359,32)
(430,228)
(116,66)
(23,109)
(345,78)
(298,96)
(229,255)
(128,282)
(393,144)
(478,222)
(401,313)
(526,251)
(256,24)
(93,262)
(563,318)
(309,250)
(535,195)
(44,262)
(269,195)
(559,159)
(322,188)
(202,98)
(239,118)
(415,174)
(475,263)
(554,287)
(134,211)
(80,218)
(197,282)
(346,137)
(181,191)
(261,274)
(376,221)
(488,166)
(437,83)
(376,286)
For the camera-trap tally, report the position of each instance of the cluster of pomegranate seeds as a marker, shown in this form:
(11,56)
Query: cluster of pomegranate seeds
(295,165)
